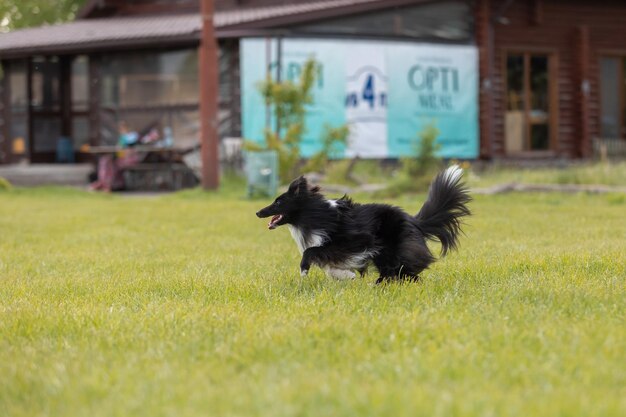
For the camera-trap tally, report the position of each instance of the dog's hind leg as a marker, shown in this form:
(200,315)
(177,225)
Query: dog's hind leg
(406,261)
(387,272)
(404,277)
(383,280)
(399,269)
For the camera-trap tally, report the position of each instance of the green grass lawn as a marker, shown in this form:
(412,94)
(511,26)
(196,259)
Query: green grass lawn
(613,173)
(584,173)
(185,305)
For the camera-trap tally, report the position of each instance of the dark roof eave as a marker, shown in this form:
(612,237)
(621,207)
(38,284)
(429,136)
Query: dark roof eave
(292,18)
(331,12)
(104,46)
(249,28)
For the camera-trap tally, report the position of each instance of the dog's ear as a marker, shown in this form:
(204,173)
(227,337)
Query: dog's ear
(297,186)
(301,185)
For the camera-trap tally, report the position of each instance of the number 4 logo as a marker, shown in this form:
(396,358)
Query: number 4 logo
(369,94)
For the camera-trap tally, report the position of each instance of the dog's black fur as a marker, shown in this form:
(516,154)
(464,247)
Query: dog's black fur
(342,236)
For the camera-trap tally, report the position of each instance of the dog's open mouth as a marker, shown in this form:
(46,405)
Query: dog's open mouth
(273,224)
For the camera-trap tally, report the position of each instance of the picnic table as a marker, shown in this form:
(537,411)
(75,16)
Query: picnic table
(152,168)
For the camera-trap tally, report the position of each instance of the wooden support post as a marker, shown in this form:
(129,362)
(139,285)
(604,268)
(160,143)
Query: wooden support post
(5,105)
(95,110)
(235,93)
(209,90)
(484,37)
(65,82)
(30,128)
(584,89)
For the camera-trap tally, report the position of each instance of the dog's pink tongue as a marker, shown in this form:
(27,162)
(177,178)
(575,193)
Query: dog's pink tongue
(272,224)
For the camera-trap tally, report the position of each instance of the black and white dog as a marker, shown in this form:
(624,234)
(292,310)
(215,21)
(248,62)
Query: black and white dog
(341,236)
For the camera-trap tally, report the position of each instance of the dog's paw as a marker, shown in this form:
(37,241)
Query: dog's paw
(304,272)
(381,281)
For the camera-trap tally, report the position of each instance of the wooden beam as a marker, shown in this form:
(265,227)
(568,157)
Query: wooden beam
(94,99)
(484,39)
(65,89)
(622,98)
(553,106)
(209,91)
(584,147)
(30,126)
(5,105)
(527,105)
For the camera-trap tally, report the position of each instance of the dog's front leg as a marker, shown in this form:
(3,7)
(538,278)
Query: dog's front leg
(309,256)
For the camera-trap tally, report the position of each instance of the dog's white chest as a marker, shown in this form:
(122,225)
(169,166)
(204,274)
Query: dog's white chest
(305,241)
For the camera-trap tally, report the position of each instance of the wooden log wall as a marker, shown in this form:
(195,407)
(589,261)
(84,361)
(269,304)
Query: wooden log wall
(579,33)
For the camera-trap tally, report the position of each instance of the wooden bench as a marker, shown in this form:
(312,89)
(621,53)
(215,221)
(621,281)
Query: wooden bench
(159,176)
(158,169)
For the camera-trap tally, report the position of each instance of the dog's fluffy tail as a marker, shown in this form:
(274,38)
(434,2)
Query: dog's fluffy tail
(446,205)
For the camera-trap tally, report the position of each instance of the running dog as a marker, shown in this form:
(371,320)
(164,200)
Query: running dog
(343,237)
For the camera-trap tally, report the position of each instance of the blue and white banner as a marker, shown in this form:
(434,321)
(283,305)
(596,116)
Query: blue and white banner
(386,92)
(366,102)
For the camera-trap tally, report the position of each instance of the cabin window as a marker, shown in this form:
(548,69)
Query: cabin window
(45,103)
(48,101)
(18,81)
(80,83)
(612,97)
(46,83)
(529,117)
(80,101)
(149,90)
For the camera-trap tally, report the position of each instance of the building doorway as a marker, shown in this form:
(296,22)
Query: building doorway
(530,107)
(46,102)
(59,106)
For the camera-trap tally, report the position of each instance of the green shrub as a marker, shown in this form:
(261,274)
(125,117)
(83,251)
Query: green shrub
(288,101)
(333,136)
(416,172)
(425,160)
(5,185)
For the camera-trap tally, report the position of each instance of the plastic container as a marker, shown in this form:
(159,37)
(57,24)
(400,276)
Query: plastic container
(261,170)
(65,150)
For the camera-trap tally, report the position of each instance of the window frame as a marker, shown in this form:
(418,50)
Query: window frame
(621,56)
(553,100)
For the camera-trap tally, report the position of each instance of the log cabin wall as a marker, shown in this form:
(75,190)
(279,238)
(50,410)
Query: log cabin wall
(576,33)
